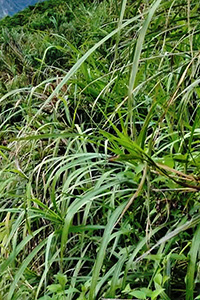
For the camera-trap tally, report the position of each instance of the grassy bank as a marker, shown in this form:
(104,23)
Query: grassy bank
(99,185)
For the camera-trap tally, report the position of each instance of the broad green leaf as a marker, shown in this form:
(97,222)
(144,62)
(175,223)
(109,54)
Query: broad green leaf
(138,294)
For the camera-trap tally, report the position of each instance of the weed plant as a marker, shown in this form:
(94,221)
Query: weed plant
(99,148)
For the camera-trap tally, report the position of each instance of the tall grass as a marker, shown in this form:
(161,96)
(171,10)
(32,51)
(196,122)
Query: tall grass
(99,183)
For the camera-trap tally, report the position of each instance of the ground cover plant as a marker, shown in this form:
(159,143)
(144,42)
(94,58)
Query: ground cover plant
(99,185)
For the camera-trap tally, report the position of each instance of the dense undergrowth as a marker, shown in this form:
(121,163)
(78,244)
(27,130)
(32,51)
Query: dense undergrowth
(100,161)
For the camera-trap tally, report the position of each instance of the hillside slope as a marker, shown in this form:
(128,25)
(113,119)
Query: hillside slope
(100,151)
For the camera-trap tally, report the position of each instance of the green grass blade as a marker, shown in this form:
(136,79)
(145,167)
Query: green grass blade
(74,208)
(101,254)
(189,224)
(22,268)
(135,63)
(78,64)
(46,263)
(190,277)
(17,250)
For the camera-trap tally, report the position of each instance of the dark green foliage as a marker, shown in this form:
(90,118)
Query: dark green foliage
(99,148)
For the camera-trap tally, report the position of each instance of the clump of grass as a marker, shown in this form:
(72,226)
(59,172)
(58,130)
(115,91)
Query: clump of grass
(99,153)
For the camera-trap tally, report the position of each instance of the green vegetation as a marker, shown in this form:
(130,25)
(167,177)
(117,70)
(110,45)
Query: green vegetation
(100,151)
